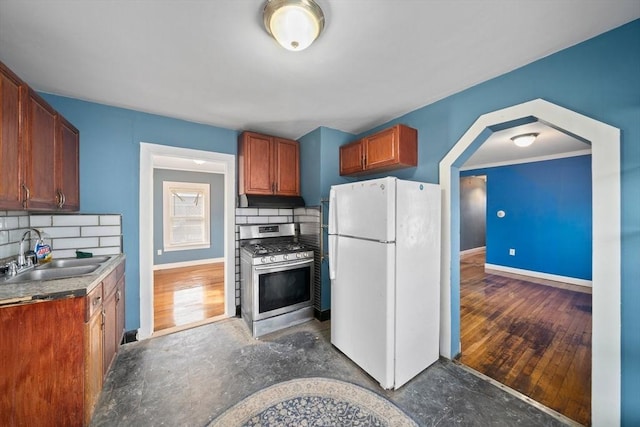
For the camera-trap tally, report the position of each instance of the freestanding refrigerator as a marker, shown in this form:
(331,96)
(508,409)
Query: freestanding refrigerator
(384,265)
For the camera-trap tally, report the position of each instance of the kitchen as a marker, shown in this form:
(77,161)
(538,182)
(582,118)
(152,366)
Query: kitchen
(110,159)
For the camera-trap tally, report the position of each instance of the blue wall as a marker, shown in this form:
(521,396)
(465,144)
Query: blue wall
(548,216)
(597,78)
(216,211)
(110,167)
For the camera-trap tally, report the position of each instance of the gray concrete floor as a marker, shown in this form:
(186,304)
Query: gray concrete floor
(188,378)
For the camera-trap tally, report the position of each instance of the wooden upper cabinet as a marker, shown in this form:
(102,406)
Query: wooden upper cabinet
(11,104)
(67,169)
(390,149)
(268,165)
(287,167)
(40,136)
(351,158)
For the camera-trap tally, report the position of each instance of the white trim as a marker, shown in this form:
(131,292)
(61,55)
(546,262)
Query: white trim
(473,251)
(219,162)
(606,253)
(181,264)
(528,160)
(539,275)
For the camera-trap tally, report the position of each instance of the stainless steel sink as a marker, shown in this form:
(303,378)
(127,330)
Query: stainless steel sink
(53,273)
(73,262)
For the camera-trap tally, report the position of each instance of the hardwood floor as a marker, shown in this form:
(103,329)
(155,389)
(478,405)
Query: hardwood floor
(533,338)
(187,295)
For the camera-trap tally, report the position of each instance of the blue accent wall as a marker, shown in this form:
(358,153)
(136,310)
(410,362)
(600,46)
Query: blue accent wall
(597,78)
(548,216)
(216,212)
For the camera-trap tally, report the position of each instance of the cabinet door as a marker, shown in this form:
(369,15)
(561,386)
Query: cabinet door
(10,139)
(40,153)
(287,167)
(120,311)
(256,157)
(110,348)
(381,149)
(351,158)
(67,165)
(93,362)
(41,356)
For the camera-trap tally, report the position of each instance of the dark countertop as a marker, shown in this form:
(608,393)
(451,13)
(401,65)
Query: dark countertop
(12,293)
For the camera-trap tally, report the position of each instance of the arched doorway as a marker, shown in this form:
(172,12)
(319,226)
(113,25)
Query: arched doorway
(605,145)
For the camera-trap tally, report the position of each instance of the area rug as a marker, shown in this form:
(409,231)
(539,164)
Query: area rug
(314,402)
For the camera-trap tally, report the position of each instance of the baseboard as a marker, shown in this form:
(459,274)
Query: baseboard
(491,268)
(472,251)
(322,315)
(187,263)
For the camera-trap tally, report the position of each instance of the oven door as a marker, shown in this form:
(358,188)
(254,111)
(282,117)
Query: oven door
(281,288)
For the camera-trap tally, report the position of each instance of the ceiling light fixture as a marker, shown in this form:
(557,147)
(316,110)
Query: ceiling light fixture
(524,140)
(295,24)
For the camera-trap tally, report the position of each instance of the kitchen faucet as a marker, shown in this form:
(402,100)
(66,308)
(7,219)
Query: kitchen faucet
(22,260)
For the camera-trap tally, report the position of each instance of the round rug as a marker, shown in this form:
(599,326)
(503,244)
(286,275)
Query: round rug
(313,402)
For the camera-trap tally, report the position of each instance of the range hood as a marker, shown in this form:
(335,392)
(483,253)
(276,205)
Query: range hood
(254,201)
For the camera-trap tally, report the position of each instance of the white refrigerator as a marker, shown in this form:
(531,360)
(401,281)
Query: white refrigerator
(384,265)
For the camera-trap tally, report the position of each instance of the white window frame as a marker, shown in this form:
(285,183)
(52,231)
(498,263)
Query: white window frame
(171,187)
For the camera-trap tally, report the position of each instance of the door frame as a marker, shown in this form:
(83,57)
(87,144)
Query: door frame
(606,254)
(220,163)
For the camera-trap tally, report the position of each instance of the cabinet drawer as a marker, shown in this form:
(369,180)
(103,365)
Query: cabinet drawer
(94,302)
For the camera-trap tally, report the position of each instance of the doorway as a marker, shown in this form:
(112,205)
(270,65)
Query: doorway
(153,156)
(605,142)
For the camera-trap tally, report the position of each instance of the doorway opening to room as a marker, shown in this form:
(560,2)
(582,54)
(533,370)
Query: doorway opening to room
(605,260)
(188,267)
(195,285)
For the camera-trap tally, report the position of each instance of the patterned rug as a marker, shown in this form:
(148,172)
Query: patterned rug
(313,402)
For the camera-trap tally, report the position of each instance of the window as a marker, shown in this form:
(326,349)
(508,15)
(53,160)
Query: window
(186,216)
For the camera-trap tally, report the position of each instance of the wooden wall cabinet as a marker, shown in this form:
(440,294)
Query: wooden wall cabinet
(268,165)
(390,149)
(39,151)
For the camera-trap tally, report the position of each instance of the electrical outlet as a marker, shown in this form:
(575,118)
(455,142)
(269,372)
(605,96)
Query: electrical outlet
(512,252)
(159,251)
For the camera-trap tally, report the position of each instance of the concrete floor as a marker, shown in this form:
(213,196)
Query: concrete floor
(188,378)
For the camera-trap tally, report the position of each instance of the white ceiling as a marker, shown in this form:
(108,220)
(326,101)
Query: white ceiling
(211,61)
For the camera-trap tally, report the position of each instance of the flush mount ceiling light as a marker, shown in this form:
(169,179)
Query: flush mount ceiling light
(524,140)
(295,24)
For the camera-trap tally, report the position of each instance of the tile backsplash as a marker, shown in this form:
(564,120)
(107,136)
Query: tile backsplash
(100,234)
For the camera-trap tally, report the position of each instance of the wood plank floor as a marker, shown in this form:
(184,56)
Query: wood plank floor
(533,338)
(187,295)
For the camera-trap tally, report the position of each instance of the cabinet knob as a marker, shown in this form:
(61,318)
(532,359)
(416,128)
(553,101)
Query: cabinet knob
(27,195)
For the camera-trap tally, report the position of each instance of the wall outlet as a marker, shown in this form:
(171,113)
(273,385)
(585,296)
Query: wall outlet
(159,252)
(512,252)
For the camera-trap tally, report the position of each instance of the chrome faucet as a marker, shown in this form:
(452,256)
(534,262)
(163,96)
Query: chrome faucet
(22,260)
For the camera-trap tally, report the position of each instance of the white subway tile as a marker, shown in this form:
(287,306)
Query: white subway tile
(300,211)
(109,230)
(40,221)
(241,220)
(246,211)
(256,220)
(55,232)
(4,237)
(277,219)
(63,253)
(114,250)
(23,221)
(16,213)
(65,220)
(287,211)
(267,212)
(9,223)
(10,250)
(110,241)
(110,219)
(76,243)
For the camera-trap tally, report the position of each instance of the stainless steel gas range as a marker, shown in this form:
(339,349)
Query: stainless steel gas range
(276,276)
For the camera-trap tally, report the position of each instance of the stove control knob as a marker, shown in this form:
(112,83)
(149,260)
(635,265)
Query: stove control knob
(285,256)
(272,258)
(263,259)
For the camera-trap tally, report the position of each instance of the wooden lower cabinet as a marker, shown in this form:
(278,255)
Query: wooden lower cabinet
(54,355)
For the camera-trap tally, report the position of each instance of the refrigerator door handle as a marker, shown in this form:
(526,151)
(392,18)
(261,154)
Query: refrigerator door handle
(333,214)
(333,249)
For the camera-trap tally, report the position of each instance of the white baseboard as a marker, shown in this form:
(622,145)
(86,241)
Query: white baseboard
(187,263)
(540,275)
(473,251)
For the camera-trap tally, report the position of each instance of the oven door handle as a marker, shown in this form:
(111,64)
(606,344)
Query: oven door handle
(293,264)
